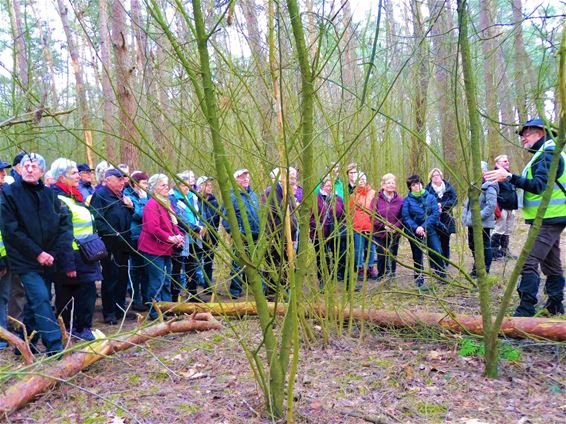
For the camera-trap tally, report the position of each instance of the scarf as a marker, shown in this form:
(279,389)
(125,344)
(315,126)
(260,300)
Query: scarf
(440,190)
(167,204)
(71,191)
(418,194)
(387,197)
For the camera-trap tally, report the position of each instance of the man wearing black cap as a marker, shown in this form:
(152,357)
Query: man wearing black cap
(16,172)
(85,183)
(537,138)
(113,216)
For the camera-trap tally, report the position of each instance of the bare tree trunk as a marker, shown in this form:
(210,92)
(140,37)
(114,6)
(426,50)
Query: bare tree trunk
(145,59)
(76,65)
(19,34)
(443,52)
(489,50)
(108,119)
(127,105)
(421,75)
(521,59)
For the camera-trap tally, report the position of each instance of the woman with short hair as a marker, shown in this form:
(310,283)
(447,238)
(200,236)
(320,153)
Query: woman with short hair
(387,226)
(159,236)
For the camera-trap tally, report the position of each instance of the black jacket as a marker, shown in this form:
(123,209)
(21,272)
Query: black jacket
(538,183)
(86,272)
(34,220)
(112,219)
(448,201)
(507,197)
(210,211)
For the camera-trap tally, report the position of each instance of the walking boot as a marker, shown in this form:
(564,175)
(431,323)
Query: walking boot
(528,289)
(505,252)
(555,291)
(496,246)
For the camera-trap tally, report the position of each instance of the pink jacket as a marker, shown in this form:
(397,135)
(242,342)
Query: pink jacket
(156,230)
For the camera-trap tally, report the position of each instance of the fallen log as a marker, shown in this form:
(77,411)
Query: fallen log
(24,391)
(519,328)
(18,343)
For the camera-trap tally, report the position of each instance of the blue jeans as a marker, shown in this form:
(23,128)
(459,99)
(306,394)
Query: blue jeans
(159,280)
(363,243)
(38,314)
(435,260)
(387,248)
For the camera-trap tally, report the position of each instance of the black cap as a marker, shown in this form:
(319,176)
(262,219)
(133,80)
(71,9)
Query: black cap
(18,158)
(113,172)
(4,165)
(82,167)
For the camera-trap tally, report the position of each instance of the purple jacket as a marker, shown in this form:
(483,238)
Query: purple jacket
(389,211)
(326,216)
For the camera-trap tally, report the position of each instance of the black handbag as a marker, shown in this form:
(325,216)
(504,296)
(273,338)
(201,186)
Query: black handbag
(92,248)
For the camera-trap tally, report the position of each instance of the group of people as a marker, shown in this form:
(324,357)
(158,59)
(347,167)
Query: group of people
(157,236)
(160,233)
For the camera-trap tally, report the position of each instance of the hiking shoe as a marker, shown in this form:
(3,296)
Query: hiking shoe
(86,335)
(139,307)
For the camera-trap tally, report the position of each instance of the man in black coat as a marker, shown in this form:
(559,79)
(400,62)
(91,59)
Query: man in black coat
(113,215)
(37,229)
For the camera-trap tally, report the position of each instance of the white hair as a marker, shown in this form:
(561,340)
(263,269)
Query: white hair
(154,180)
(61,166)
(101,169)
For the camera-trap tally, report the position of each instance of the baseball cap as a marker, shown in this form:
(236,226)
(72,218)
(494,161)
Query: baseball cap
(240,172)
(82,167)
(4,165)
(113,172)
(204,179)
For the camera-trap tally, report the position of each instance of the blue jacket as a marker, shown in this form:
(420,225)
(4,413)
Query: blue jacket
(448,201)
(86,189)
(420,211)
(187,213)
(251,203)
(538,183)
(86,272)
(139,204)
(34,220)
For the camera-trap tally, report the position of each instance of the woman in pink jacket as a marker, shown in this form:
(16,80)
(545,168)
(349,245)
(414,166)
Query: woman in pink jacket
(159,236)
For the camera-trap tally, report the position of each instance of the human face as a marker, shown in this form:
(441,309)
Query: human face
(530,136)
(416,187)
(244,180)
(2,175)
(115,184)
(86,176)
(503,163)
(184,188)
(72,177)
(162,188)
(207,188)
(436,178)
(389,185)
(31,172)
(327,187)
(353,175)
(362,181)
(143,185)
(293,180)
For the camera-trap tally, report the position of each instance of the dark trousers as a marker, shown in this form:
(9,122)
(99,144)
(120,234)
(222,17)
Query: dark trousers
(417,244)
(38,314)
(75,303)
(187,272)
(487,252)
(138,278)
(386,249)
(17,299)
(329,253)
(208,265)
(444,246)
(114,283)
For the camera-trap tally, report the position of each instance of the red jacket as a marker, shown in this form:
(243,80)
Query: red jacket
(156,230)
(360,205)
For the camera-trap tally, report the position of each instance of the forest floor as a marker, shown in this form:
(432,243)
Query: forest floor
(388,375)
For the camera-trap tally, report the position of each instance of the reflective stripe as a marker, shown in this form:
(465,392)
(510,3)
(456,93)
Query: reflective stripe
(82,219)
(553,202)
(2,247)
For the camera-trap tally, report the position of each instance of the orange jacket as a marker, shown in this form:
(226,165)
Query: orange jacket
(360,205)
